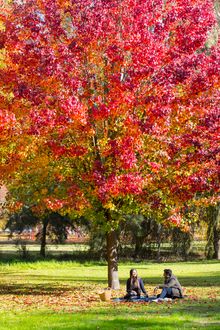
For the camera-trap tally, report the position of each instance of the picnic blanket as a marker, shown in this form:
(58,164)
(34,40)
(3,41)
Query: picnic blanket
(143,299)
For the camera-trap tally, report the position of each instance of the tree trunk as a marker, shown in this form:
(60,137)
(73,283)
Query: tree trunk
(213,233)
(159,241)
(44,239)
(216,245)
(138,247)
(112,258)
(216,235)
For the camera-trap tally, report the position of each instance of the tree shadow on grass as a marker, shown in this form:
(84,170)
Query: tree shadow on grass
(209,280)
(141,325)
(199,308)
(26,289)
(122,324)
(45,279)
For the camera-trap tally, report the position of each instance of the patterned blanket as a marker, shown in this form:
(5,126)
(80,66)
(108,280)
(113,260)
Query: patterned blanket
(143,299)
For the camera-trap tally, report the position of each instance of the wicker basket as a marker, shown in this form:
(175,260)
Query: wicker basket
(105,295)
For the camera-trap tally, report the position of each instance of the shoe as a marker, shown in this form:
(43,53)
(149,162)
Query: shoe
(168,299)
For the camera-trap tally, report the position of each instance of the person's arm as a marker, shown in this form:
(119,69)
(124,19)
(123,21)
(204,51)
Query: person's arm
(170,284)
(159,286)
(142,286)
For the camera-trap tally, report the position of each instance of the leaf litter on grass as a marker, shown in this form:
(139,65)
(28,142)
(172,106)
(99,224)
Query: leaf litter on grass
(57,298)
(69,299)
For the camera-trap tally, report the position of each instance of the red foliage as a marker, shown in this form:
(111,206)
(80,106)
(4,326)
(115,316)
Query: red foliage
(126,89)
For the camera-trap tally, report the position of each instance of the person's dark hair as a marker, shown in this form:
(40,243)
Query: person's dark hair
(131,271)
(134,282)
(168,272)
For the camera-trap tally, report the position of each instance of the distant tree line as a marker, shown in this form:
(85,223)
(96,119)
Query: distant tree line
(139,237)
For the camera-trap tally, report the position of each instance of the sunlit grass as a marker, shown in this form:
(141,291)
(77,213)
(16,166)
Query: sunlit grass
(51,248)
(64,295)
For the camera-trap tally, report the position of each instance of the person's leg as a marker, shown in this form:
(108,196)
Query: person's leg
(138,293)
(130,295)
(134,296)
(166,293)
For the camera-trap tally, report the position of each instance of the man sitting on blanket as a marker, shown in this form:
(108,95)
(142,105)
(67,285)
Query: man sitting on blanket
(171,287)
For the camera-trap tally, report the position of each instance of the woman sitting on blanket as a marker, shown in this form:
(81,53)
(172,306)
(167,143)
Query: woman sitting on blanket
(134,286)
(171,287)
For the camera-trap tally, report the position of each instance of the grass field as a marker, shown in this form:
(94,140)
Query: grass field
(64,295)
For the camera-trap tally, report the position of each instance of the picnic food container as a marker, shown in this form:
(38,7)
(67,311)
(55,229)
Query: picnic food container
(105,295)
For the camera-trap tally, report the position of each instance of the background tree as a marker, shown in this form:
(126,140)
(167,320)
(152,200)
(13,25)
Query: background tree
(54,228)
(143,233)
(212,217)
(122,97)
(51,226)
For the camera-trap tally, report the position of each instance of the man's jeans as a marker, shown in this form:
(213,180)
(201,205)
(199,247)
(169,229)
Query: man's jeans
(166,293)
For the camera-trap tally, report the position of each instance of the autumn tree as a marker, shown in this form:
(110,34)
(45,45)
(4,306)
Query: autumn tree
(29,205)
(122,96)
(212,217)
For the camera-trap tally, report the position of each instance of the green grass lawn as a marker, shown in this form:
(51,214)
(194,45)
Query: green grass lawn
(64,295)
